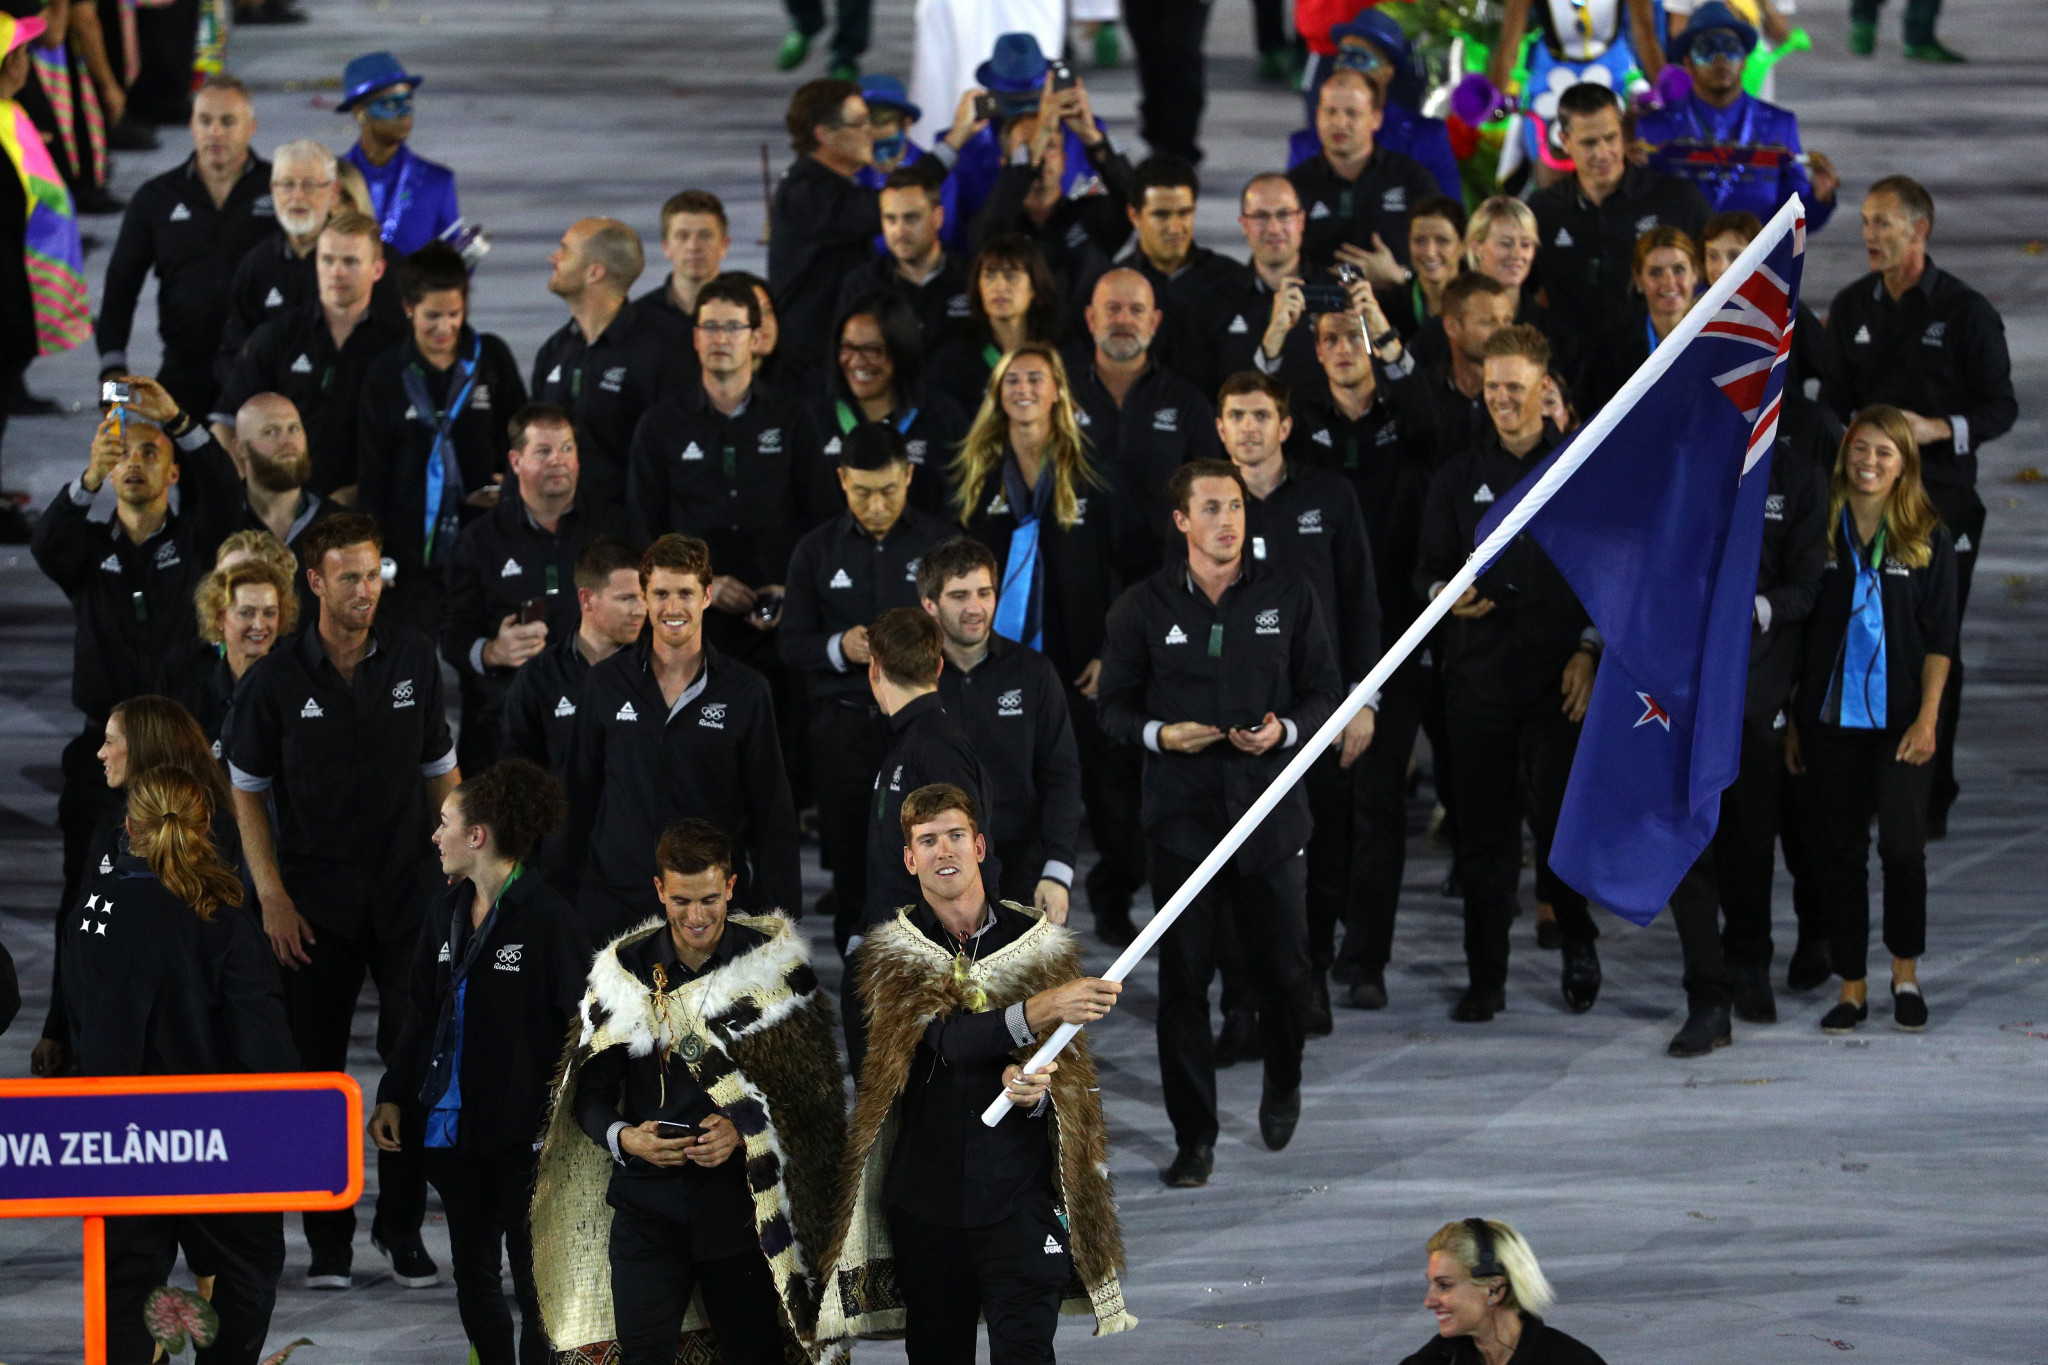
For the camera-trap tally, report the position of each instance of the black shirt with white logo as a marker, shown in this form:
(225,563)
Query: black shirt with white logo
(1163,423)
(1788,572)
(1310,526)
(1190,337)
(273,278)
(541,703)
(294,354)
(345,761)
(1082,568)
(932,429)
(1585,252)
(1013,707)
(1389,483)
(605,386)
(926,745)
(841,577)
(1340,211)
(940,301)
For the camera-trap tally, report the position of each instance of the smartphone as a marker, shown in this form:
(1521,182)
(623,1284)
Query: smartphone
(768,605)
(1062,75)
(664,1129)
(1325,298)
(533,609)
(985,108)
(1243,720)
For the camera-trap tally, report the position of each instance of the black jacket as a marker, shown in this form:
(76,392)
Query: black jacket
(150,989)
(1585,252)
(746,484)
(1236,322)
(394,439)
(198,678)
(541,703)
(273,278)
(1013,707)
(1788,575)
(1389,483)
(1515,654)
(294,354)
(1173,655)
(1341,211)
(1163,423)
(519,995)
(1938,350)
(1081,234)
(1437,421)
(1193,328)
(1082,574)
(949,1168)
(940,302)
(634,770)
(1311,527)
(1920,618)
(932,431)
(134,602)
(822,227)
(642,357)
(841,577)
(345,765)
(1540,1345)
(926,745)
(172,227)
(1431,347)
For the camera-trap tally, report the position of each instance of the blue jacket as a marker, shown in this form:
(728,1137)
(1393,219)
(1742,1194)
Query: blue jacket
(981,161)
(1758,189)
(1427,140)
(954,234)
(425,201)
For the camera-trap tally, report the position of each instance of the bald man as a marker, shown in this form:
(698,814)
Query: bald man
(612,360)
(276,466)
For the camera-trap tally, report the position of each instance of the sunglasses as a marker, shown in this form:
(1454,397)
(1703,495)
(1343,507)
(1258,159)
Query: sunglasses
(1360,58)
(1711,46)
(387,107)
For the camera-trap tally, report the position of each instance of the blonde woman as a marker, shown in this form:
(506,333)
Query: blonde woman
(1878,649)
(1488,1295)
(1500,243)
(244,609)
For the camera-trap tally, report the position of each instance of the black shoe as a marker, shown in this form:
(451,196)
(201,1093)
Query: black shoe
(1278,1114)
(1909,1008)
(1548,936)
(1238,1040)
(1581,976)
(1111,902)
(130,136)
(1754,1003)
(1191,1167)
(1844,1017)
(1453,886)
(330,1268)
(1116,930)
(1811,966)
(1369,992)
(1706,1028)
(1937,825)
(1316,1021)
(1476,1006)
(410,1264)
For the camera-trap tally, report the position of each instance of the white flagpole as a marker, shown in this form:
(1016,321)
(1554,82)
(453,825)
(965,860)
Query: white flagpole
(1582,447)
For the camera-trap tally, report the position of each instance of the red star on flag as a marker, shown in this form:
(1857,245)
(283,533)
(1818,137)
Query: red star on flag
(1652,711)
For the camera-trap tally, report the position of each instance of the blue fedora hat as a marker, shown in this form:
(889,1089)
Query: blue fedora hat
(369,73)
(1016,67)
(883,91)
(1379,30)
(1705,19)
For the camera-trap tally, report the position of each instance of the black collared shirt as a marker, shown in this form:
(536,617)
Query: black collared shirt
(636,766)
(294,354)
(344,762)
(273,278)
(173,228)
(1938,350)
(1083,568)
(1920,619)
(932,428)
(841,577)
(503,560)
(1191,332)
(949,1168)
(1162,424)
(1173,655)
(1341,211)
(1789,567)
(939,301)
(1389,483)
(926,745)
(822,229)
(1013,708)
(1310,526)
(541,703)
(605,385)
(746,484)
(1585,252)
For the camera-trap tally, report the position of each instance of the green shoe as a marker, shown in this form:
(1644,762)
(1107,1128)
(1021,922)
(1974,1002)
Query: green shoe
(844,70)
(1273,66)
(1109,46)
(1862,39)
(794,49)
(1933,52)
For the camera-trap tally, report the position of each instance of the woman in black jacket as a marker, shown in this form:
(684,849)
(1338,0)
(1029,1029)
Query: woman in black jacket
(1878,648)
(876,375)
(1012,299)
(165,974)
(494,986)
(1486,1291)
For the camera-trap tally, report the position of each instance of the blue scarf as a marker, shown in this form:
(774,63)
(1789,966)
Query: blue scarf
(1020,609)
(1860,690)
(441,1092)
(444,471)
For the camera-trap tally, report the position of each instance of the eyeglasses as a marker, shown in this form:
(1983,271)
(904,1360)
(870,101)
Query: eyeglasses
(300,186)
(725,329)
(873,350)
(1263,219)
(390,107)
(1720,43)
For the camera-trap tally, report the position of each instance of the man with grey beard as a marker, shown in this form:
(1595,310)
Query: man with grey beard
(277,274)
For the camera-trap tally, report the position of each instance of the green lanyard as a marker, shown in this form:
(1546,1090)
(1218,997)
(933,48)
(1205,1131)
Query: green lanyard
(847,421)
(730,458)
(1216,641)
(990,354)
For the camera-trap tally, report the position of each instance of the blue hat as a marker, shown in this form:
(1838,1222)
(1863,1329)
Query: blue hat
(1706,18)
(1016,67)
(1381,31)
(886,92)
(369,73)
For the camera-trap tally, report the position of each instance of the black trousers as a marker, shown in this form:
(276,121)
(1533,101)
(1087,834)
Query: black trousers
(1962,511)
(486,1194)
(162,93)
(1112,785)
(848,741)
(1438,730)
(246,1254)
(654,1276)
(1020,861)
(1167,37)
(1269,27)
(82,803)
(849,35)
(1268,911)
(320,1002)
(1509,762)
(1009,1273)
(1855,777)
(1733,876)
(1800,833)
(1359,852)
(187,375)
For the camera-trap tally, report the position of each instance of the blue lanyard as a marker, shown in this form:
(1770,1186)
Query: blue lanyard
(399,195)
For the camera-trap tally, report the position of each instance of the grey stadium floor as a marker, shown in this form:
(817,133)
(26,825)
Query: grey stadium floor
(1793,1198)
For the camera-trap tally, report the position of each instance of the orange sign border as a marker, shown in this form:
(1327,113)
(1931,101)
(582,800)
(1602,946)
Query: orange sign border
(274,1202)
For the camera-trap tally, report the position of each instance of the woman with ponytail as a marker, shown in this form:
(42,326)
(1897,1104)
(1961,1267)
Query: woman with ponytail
(1488,1294)
(493,989)
(165,975)
(1878,647)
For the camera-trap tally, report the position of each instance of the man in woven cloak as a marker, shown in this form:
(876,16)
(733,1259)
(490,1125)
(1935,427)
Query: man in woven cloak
(686,1177)
(943,1221)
